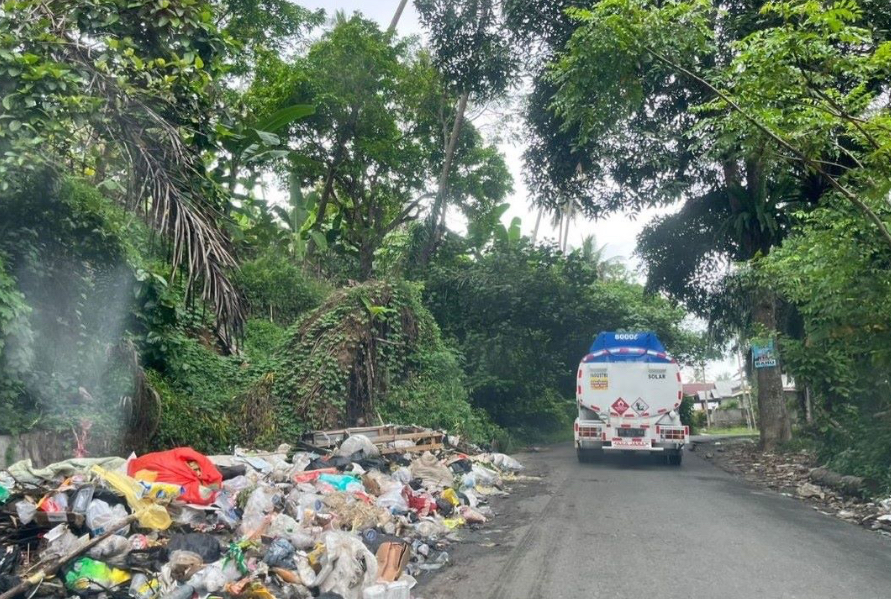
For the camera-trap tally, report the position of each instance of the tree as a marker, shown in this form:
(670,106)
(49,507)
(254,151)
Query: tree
(125,96)
(472,56)
(788,120)
(523,316)
(372,142)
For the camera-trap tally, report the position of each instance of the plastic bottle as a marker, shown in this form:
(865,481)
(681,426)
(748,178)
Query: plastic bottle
(82,500)
(181,592)
(143,588)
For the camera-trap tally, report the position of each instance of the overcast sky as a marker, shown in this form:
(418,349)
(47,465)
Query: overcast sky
(618,231)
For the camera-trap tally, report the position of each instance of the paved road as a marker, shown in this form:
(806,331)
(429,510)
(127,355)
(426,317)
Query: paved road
(632,529)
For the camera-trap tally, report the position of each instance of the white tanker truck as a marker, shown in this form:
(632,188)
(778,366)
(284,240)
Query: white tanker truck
(629,391)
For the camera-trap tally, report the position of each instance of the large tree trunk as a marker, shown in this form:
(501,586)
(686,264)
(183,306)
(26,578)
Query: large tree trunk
(773,418)
(366,261)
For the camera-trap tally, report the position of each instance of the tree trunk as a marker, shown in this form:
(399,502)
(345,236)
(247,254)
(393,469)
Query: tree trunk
(566,233)
(437,225)
(397,16)
(366,261)
(537,223)
(773,418)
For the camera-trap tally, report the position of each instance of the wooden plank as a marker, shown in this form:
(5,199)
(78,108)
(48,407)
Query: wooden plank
(415,449)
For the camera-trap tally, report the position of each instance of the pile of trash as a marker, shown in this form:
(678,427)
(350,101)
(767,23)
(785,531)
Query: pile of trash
(797,474)
(359,520)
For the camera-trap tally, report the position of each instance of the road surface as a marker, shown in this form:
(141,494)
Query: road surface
(633,529)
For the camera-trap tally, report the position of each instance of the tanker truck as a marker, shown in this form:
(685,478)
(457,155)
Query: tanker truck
(628,392)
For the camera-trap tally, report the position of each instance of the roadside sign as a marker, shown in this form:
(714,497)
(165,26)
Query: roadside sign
(764,356)
(620,406)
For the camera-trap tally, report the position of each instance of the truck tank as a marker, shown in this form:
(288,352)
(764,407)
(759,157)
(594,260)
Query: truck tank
(628,392)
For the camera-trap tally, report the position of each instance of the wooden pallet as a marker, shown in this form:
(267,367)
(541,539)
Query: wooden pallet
(425,440)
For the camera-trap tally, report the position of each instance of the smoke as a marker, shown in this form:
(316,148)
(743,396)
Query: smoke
(74,378)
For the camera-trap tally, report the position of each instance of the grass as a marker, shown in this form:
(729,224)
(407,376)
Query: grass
(734,431)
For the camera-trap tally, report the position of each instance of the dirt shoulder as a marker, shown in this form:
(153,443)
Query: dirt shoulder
(790,474)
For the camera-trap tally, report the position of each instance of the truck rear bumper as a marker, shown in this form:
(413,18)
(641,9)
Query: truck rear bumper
(589,444)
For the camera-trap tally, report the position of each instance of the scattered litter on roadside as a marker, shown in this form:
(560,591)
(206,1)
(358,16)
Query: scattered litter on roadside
(797,475)
(358,516)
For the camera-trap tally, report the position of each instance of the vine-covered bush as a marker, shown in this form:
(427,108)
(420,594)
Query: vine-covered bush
(371,351)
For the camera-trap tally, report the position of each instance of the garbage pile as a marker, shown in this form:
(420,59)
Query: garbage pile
(359,520)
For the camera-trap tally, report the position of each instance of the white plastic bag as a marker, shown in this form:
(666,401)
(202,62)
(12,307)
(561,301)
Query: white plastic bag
(350,566)
(356,443)
(504,462)
(391,499)
(25,510)
(209,579)
(100,515)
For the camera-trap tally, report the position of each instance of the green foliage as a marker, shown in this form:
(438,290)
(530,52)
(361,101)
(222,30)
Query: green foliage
(278,289)
(371,350)
(469,45)
(125,95)
(524,316)
(687,413)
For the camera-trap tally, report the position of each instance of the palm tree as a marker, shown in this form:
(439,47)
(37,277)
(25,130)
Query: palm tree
(593,254)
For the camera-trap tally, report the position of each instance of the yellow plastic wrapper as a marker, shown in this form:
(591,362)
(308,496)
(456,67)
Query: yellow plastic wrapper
(452,497)
(453,523)
(148,513)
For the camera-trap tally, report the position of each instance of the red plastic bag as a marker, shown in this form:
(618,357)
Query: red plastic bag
(185,467)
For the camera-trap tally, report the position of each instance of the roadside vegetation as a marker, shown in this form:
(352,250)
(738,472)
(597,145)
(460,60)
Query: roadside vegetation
(225,222)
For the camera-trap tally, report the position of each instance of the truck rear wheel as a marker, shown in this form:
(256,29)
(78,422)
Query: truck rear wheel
(674,458)
(587,456)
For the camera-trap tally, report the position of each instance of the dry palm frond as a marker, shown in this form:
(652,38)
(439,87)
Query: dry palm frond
(166,177)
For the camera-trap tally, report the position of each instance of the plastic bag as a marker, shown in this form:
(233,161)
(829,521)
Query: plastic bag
(59,541)
(209,579)
(234,486)
(88,574)
(280,554)
(391,499)
(143,587)
(343,482)
(25,510)
(485,477)
(301,460)
(202,544)
(355,443)
(112,550)
(57,502)
(149,514)
(349,566)
(100,515)
(181,466)
(261,500)
(502,461)
(402,475)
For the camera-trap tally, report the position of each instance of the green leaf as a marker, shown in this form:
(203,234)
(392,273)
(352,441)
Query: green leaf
(282,117)
(319,239)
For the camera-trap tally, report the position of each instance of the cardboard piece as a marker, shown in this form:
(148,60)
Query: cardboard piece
(392,557)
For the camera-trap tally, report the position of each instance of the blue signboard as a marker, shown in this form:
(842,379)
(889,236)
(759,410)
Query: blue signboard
(764,356)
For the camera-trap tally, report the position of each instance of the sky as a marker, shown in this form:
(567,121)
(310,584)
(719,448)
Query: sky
(618,231)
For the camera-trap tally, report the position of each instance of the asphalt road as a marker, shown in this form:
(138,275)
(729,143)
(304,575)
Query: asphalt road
(627,528)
